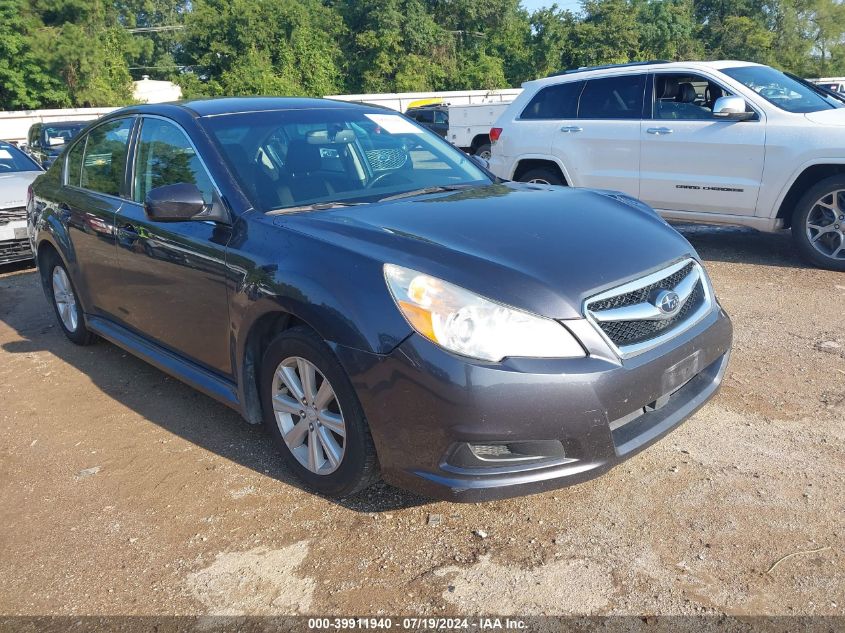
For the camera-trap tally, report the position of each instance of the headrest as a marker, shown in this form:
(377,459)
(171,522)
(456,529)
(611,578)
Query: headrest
(303,157)
(686,93)
(670,88)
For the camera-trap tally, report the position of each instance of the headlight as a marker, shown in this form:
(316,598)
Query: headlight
(468,324)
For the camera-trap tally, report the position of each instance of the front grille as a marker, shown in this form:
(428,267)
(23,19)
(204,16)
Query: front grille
(386,159)
(10,215)
(624,333)
(642,294)
(629,316)
(11,250)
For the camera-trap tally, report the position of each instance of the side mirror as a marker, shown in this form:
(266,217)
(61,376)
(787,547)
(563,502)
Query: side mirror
(481,162)
(174,203)
(731,108)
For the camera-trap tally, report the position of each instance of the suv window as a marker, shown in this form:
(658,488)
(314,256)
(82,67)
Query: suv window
(74,163)
(166,157)
(104,165)
(612,98)
(440,117)
(555,102)
(682,96)
(424,116)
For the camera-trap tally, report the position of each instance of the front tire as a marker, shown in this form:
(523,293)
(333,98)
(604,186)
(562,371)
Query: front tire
(313,414)
(542,177)
(65,302)
(818,224)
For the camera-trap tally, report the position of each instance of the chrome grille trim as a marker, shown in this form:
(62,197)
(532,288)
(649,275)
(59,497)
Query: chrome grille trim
(628,304)
(12,214)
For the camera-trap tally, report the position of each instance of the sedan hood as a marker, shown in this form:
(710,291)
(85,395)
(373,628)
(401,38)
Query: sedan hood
(13,187)
(543,249)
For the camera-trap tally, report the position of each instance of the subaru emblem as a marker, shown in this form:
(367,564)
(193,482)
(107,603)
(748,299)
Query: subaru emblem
(667,301)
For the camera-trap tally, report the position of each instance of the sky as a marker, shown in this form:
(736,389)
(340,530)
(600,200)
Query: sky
(572,5)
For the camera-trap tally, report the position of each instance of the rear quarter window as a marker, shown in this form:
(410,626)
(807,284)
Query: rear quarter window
(554,102)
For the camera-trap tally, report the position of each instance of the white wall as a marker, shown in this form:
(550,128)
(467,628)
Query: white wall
(15,125)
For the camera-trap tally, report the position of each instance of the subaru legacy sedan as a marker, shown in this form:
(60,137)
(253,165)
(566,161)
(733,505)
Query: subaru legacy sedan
(375,297)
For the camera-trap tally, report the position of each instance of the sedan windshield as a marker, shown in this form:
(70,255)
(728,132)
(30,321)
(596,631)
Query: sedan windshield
(12,160)
(781,90)
(293,158)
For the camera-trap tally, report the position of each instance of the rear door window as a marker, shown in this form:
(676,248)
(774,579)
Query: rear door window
(104,162)
(613,98)
(555,102)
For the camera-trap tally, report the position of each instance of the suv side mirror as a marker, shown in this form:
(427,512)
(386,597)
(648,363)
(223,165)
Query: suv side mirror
(731,108)
(174,203)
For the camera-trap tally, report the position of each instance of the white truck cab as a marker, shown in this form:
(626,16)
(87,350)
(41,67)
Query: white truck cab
(721,142)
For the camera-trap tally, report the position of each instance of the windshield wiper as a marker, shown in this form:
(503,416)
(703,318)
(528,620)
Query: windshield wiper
(424,191)
(315,206)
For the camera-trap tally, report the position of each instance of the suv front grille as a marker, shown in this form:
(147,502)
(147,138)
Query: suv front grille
(630,317)
(10,215)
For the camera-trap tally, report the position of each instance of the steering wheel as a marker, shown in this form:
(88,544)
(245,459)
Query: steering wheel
(379,178)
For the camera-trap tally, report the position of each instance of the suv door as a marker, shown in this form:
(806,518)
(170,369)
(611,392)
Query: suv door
(94,179)
(173,274)
(441,123)
(691,161)
(601,148)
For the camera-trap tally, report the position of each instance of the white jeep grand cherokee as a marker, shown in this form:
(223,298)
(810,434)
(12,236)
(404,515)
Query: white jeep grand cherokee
(724,142)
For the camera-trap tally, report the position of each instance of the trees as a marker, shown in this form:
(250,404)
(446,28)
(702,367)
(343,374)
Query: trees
(85,52)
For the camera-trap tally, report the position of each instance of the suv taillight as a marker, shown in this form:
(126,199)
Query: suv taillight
(495,133)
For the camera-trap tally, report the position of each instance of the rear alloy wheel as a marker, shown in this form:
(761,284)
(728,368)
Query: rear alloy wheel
(311,409)
(484,151)
(541,177)
(818,226)
(60,289)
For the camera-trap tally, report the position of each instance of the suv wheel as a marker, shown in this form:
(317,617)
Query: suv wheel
(818,224)
(484,151)
(312,412)
(541,177)
(63,297)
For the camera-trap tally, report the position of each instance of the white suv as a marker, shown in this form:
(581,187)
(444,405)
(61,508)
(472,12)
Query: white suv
(724,142)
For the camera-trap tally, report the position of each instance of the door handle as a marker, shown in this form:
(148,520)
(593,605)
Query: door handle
(570,128)
(659,130)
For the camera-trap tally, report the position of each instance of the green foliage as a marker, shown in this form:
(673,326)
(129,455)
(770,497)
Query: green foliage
(81,52)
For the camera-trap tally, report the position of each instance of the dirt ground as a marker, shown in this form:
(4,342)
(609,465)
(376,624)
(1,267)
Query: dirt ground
(122,491)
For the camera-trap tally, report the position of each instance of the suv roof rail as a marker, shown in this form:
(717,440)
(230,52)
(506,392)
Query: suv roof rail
(583,69)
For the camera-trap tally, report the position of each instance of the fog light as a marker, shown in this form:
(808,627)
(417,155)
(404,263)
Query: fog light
(490,450)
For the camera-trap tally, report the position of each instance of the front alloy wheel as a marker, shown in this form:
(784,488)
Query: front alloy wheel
(818,226)
(312,411)
(308,415)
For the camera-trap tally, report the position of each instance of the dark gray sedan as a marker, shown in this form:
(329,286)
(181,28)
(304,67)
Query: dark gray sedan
(375,297)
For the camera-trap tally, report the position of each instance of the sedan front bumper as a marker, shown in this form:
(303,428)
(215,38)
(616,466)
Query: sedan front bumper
(462,430)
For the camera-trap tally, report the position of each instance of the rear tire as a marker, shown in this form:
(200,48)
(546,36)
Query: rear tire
(313,414)
(542,176)
(818,224)
(484,151)
(62,294)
